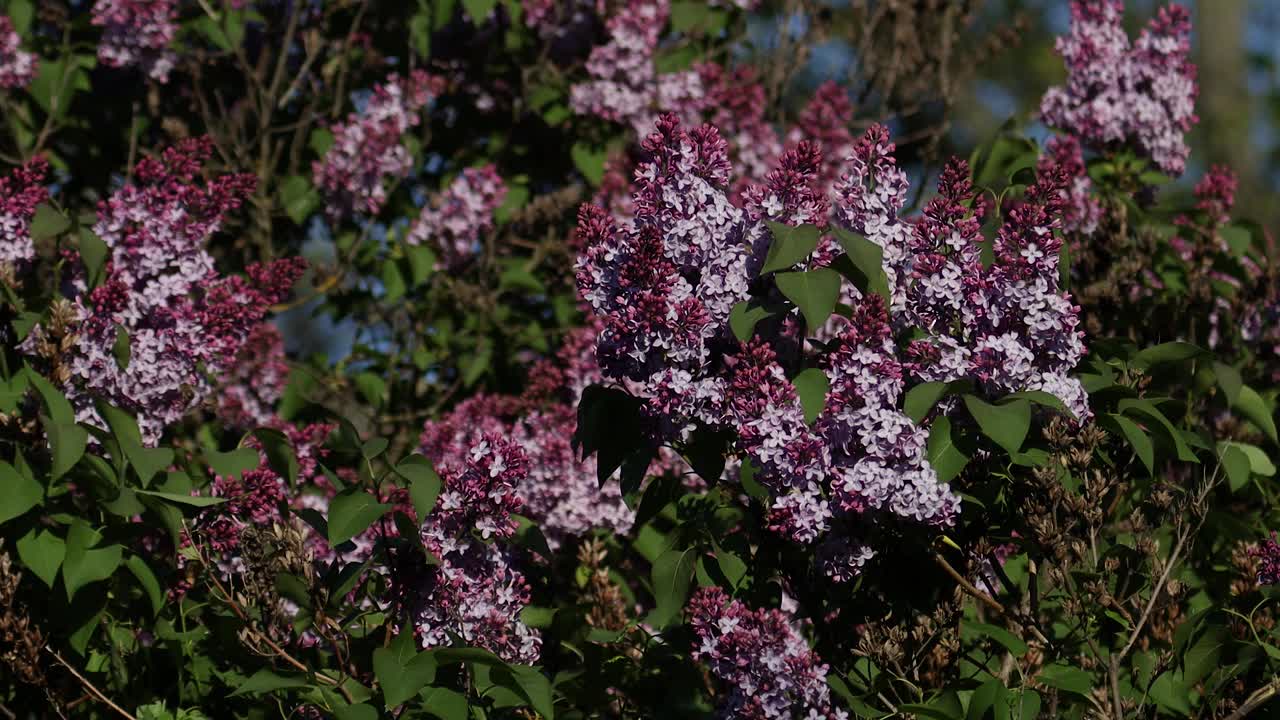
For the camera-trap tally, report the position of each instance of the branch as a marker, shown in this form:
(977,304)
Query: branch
(88,685)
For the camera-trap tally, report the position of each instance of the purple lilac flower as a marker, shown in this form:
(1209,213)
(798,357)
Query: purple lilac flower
(1009,326)
(367,150)
(20,192)
(138,33)
(255,381)
(1120,95)
(561,492)
(183,320)
(1268,555)
(825,121)
(665,285)
(17,66)
(476,593)
(761,660)
(1081,210)
(625,87)
(456,219)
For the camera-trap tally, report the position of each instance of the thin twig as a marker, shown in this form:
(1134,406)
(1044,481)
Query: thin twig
(1256,699)
(88,685)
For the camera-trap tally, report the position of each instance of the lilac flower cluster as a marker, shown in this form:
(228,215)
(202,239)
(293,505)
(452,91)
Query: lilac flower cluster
(1140,96)
(181,319)
(255,381)
(476,593)
(1268,556)
(663,287)
(761,660)
(137,33)
(624,85)
(17,66)
(1009,327)
(20,193)
(456,219)
(1081,211)
(367,149)
(561,491)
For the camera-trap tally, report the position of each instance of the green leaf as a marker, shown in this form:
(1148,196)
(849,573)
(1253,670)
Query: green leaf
(1259,462)
(1146,407)
(55,402)
(84,562)
(361,711)
(424,483)
(921,399)
(811,387)
(1169,352)
(147,579)
(1011,642)
(67,442)
(93,254)
(660,493)
(535,688)
(590,161)
(422,263)
(121,349)
(1007,424)
(444,703)
(688,14)
(265,681)
(813,291)
(1170,693)
(1066,677)
(672,572)
(989,700)
(1229,380)
(868,260)
(20,494)
(48,222)
(401,670)
(372,387)
(42,553)
(146,462)
(744,317)
(299,198)
(1236,465)
(478,10)
(1138,439)
(279,452)
(790,245)
(233,463)
(1254,408)
(944,456)
(192,500)
(609,425)
(393,284)
(351,512)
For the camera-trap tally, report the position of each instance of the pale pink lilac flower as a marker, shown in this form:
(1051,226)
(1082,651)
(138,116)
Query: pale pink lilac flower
(20,192)
(1140,96)
(138,33)
(475,592)
(455,220)
(763,664)
(255,382)
(368,149)
(624,86)
(17,66)
(183,321)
